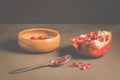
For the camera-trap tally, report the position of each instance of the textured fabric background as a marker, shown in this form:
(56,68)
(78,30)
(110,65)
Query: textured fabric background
(59,11)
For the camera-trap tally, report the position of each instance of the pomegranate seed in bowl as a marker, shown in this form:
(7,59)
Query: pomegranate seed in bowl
(33,38)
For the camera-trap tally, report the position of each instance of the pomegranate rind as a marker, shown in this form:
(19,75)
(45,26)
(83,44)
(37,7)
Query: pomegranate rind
(91,49)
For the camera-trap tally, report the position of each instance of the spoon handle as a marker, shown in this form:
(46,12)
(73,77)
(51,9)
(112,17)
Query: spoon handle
(20,70)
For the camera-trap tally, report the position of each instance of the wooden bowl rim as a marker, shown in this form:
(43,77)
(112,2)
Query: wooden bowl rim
(46,29)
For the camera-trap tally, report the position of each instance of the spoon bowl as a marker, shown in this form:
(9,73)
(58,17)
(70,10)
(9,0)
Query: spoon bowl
(60,61)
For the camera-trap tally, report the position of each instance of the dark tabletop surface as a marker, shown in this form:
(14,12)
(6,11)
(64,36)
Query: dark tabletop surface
(106,67)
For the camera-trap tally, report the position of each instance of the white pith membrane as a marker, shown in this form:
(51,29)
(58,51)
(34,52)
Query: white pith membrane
(99,38)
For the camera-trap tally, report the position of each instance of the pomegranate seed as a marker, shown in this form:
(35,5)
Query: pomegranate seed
(41,37)
(88,66)
(90,34)
(72,65)
(93,37)
(57,62)
(101,39)
(106,38)
(80,65)
(34,38)
(65,58)
(84,67)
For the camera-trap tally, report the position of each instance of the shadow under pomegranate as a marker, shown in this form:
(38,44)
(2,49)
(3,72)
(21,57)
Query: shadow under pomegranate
(72,51)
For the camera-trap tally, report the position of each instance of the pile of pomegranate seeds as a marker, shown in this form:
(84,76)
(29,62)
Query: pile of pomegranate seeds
(57,62)
(99,38)
(91,36)
(38,38)
(81,66)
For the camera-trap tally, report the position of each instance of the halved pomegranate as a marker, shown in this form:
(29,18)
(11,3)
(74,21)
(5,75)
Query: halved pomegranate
(92,44)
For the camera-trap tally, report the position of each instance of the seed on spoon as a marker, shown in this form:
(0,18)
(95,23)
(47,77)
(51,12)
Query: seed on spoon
(65,58)
(61,60)
(57,62)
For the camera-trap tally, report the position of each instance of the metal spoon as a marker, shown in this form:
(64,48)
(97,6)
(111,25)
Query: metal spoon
(52,63)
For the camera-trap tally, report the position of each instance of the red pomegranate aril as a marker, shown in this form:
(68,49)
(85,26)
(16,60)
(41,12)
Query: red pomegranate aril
(41,38)
(57,62)
(33,38)
(65,58)
(106,38)
(88,66)
(93,37)
(91,34)
(84,67)
(73,65)
(80,65)
(101,39)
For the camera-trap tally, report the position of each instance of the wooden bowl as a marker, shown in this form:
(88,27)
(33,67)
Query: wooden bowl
(39,39)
